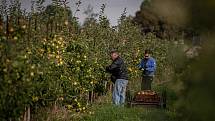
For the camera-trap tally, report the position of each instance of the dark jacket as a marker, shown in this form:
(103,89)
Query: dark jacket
(118,70)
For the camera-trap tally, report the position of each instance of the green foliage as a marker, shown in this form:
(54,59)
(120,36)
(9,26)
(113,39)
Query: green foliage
(196,95)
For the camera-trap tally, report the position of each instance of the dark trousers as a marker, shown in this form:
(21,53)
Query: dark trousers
(146,82)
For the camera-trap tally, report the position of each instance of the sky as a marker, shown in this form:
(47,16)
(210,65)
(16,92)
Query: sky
(113,10)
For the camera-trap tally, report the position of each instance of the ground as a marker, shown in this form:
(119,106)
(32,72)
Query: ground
(105,111)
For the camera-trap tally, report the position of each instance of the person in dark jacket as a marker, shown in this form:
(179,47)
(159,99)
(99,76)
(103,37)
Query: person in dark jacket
(148,66)
(119,77)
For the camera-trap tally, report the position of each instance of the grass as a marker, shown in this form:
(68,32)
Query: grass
(109,112)
(103,110)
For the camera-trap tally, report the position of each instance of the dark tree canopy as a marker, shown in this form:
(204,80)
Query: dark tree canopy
(173,18)
(151,21)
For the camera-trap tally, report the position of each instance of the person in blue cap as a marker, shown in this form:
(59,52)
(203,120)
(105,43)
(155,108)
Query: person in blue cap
(148,66)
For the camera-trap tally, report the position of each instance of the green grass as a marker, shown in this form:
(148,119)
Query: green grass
(109,112)
(103,110)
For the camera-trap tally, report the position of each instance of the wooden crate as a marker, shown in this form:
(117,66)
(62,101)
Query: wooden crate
(147,98)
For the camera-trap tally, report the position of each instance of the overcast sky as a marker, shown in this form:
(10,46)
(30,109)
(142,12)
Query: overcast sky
(113,10)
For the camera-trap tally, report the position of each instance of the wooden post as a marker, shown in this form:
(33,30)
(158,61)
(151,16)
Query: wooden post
(51,27)
(55,107)
(29,114)
(7,27)
(90,93)
(29,28)
(91,96)
(25,115)
(18,21)
(47,27)
(35,24)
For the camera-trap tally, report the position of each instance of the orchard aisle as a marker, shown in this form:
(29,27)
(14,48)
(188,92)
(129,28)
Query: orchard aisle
(103,110)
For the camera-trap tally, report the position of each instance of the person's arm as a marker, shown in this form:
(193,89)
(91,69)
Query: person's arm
(151,66)
(115,65)
(141,65)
